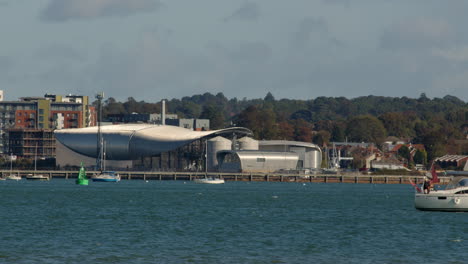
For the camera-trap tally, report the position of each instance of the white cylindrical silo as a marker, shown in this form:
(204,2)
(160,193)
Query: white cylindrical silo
(214,145)
(247,143)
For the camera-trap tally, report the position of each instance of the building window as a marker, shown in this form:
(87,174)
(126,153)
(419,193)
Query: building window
(41,111)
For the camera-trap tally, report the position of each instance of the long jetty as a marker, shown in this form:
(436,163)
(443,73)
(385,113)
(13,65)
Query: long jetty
(252,177)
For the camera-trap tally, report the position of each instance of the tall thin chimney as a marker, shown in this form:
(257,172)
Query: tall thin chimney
(163,112)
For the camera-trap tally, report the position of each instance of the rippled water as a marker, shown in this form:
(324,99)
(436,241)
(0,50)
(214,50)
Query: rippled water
(238,222)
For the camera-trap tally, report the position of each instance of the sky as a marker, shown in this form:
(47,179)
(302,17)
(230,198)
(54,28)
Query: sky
(297,49)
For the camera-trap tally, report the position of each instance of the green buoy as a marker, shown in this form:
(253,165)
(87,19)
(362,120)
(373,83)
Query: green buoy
(82,180)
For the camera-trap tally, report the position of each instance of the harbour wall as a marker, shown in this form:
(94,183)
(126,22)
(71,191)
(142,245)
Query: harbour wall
(254,177)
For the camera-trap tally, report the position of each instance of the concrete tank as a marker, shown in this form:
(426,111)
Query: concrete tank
(247,143)
(214,145)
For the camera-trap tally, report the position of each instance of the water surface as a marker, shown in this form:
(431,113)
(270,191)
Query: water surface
(238,222)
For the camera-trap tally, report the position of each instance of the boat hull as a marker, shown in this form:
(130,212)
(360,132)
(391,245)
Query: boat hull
(209,181)
(13,178)
(37,178)
(104,180)
(441,202)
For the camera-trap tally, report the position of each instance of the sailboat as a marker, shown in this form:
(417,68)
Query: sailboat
(11,176)
(103,175)
(206,179)
(34,176)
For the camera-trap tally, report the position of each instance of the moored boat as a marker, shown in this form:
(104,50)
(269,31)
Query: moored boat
(37,177)
(13,177)
(106,176)
(209,180)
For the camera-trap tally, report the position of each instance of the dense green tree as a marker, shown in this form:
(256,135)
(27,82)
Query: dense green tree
(302,131)
(420,157)
(404,152)
(366,129)
(321,138)
(338,133)
(285,131)
(438,123)
(214,114)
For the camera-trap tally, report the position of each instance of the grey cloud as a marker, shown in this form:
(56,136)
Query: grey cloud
(417,34)
(314,33)
(5,64)
(59,52)
(63,10)
(337,2)
(248,12)
(251,52)
(307,28)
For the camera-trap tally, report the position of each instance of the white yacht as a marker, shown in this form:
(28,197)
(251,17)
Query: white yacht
(106,176)
(13,177)
(453,198)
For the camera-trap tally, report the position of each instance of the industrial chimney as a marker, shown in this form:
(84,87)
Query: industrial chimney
(163,112)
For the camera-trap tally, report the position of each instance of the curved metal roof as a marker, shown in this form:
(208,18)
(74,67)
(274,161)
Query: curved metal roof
(287,142)
(129,141)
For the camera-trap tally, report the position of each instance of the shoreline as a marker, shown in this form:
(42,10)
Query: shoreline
(249,177)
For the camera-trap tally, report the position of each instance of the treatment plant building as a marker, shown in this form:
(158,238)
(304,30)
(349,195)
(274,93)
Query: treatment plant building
(171,148)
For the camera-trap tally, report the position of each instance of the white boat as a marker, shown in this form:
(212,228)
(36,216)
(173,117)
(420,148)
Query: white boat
(13,177)
(453,198)
(34,176)
(37,177)
(209,180)
(103,175)
(106,176)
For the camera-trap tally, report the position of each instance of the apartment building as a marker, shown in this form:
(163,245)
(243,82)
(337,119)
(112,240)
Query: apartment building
(28,124)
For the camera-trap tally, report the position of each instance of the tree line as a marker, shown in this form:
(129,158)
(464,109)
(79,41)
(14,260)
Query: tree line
(441,124)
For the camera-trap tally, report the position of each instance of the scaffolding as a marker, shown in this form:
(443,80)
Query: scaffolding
(28,143)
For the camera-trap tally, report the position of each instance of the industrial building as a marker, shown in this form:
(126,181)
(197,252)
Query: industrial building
(249,155)
(139,146)
(171,148)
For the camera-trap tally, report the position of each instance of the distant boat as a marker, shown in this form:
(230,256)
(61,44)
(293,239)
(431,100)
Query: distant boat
(38,177)
(106,176)
(103,175)
(12,176)
(209,180)
(34,176)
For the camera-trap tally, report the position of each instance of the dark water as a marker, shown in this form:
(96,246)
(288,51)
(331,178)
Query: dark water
(238,222)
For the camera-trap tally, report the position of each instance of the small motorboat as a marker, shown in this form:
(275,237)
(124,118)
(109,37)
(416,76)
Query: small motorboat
(209,180)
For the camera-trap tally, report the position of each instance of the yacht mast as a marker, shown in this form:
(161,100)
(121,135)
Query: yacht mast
(99,144)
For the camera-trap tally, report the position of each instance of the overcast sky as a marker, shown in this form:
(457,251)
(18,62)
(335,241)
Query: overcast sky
(296,49)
